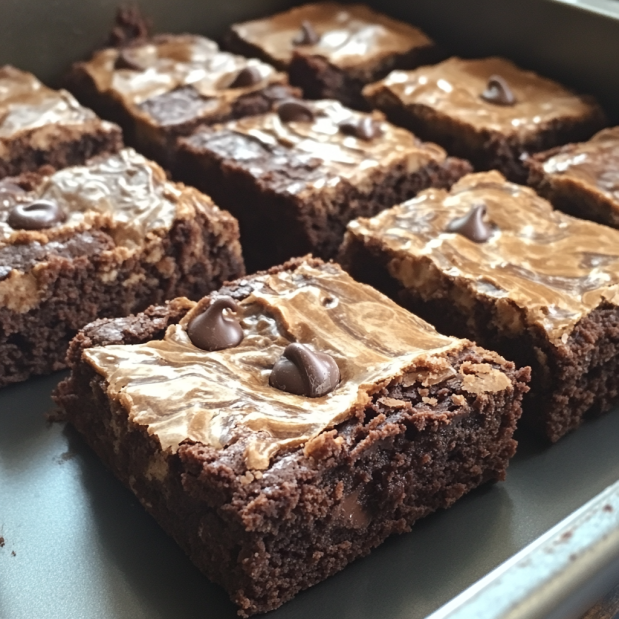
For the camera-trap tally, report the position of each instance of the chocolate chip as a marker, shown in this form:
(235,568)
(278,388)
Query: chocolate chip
(304,372)
(306,35)
(128,59)
(472,225)
(246,77)
(364,128)
(36,215)
(294,111)
(212,330)
(498,91)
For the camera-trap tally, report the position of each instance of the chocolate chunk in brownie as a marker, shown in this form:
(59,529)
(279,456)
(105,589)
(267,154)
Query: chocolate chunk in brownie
(333,50)
(40,126)
(296,176)
(489,111)
(105,239)
(273,483)
(538,286)
(159,88)
(581,179)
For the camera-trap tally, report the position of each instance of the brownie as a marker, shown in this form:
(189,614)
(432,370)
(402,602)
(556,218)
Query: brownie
(40,126)
(159,88)
(333,50)
(581,179)
(108,238)
(289,423)
(492,261)
(295,176)
(488,110)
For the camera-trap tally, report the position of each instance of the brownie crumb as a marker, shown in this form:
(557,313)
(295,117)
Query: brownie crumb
(13,553)
(2,542)
(130,26)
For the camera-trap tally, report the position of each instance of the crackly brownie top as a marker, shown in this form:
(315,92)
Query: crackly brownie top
(26,104)
(314,154)
(553,268)
(346,35)
(594,163)
(522,104)
(179,391)
(174,78)
(125,194)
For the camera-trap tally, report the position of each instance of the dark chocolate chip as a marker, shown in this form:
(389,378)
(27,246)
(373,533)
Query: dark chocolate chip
(364,128)
(127,59)
(306,35)
(498,91)
(304,372)
(294,111)
(246,77)
(472,225)
(36,215)
(212,330)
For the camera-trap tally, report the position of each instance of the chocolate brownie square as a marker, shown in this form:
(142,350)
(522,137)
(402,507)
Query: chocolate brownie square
(161,87)
(289,423)
(493,261)
(333,50)
(294,177)
(105,239)
(489,111)
(40,126)
(581,179)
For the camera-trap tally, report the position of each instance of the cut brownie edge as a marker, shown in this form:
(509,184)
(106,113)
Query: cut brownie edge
(569,384)
(266,535)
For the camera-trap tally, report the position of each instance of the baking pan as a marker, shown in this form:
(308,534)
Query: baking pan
(76,544)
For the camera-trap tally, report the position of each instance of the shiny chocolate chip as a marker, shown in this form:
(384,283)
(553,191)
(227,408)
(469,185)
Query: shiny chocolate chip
(292,110)
(363,128)
(36,215)
(214,330)
(249,76)
(472,225)
(127,59)
(302,371)
(498,91)
(306,35)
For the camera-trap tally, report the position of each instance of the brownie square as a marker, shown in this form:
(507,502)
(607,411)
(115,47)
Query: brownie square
(295,176)
(488,110)
(581,179)
(333,50)
(536,285)
(105,239)
(159,88)
(40,126)
(270,492)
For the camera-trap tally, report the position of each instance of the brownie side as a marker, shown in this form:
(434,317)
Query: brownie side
(264,537)
(569,194)
(568,383)
(486,150)
(154,128)
(276,224)
(320,79)
(59,146)
(84,277)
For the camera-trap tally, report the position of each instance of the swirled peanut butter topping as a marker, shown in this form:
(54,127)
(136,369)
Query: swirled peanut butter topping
(329,152)
(594,163)
(348,34)
(168,62)
(130,191)
(454,88)
(25,104)
(179,391)
(554,268)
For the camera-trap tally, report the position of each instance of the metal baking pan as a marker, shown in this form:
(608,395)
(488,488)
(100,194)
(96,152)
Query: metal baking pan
(77,545)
